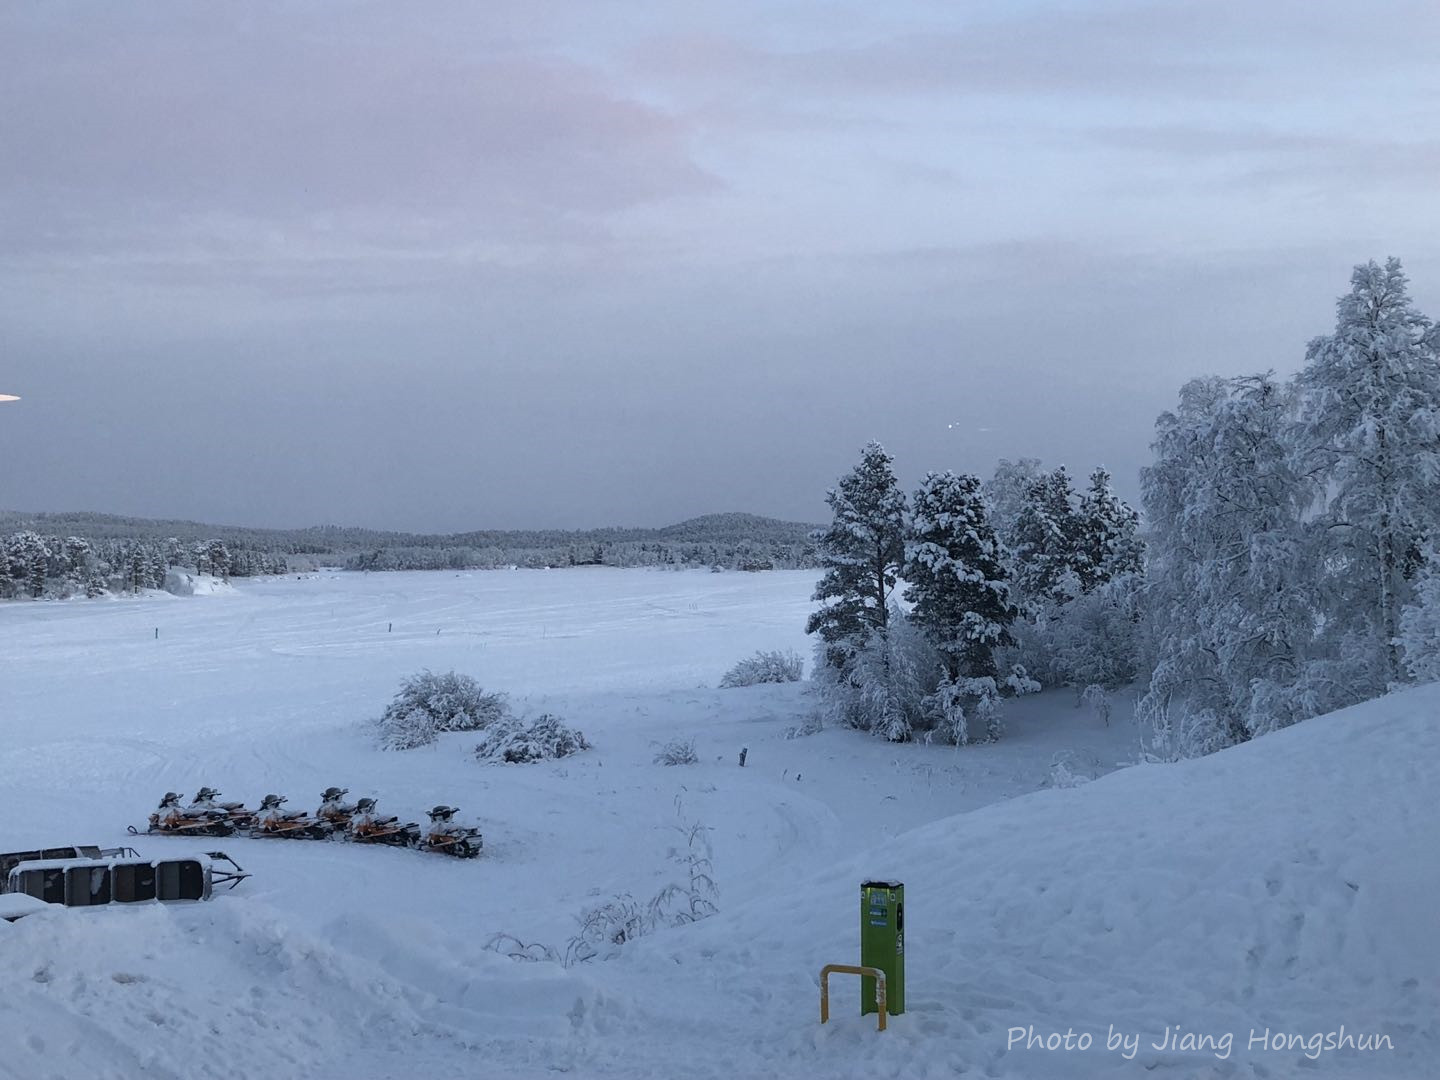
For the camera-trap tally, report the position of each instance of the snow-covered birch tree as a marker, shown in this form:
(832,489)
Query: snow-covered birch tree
(1227,581)
(1370,437)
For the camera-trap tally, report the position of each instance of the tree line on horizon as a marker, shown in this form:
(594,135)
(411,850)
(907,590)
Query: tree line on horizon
(63,555)
(36,566)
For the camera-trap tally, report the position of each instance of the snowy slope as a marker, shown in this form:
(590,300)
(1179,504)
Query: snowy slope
(1290,883)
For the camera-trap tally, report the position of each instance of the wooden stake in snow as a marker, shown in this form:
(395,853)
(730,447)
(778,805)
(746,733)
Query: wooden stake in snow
(743,751)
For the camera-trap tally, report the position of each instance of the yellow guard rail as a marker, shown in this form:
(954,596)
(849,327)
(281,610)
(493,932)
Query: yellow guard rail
(850,969)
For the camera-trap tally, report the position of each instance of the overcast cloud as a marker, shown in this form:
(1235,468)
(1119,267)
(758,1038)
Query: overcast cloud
(464,265)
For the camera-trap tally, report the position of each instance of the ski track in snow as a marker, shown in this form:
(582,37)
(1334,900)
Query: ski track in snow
(1280,884)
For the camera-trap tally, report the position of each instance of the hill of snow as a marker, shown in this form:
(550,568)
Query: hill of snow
(1288,885)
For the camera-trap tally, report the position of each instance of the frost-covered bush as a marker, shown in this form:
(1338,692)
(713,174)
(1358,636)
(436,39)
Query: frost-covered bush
(896,687)
(765,667)
(1095,639)
(428,704)
(1071,768)
(604,928)
(884,684)
(518,742)
(677,752)
(1098,698)
(812,725)
(1177,731)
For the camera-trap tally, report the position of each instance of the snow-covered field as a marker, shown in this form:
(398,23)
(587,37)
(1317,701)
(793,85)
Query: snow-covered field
(1289,884)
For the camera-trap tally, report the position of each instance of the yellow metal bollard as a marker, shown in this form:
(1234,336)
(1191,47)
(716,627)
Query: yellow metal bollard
(850,969)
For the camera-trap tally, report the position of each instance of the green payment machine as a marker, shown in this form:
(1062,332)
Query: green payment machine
(882,943)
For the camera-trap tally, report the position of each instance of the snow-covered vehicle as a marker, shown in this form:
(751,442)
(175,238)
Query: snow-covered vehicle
(334,810)
(450,837)
(368,826)
(205,803)
(273,820)
(173,819)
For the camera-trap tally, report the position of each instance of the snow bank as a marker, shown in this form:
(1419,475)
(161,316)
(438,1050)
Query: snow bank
(1289,884)
(180,582)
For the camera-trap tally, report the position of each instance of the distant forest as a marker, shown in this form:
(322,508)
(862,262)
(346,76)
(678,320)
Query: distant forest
(83,553)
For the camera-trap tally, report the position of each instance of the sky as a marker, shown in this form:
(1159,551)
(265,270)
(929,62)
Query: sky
(530,263)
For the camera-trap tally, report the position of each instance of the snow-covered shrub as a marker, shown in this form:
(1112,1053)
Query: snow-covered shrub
(677,752)
(518,741)
(1071,768)
(608,926)
(765,667)
(896,687)
(1098,698)
(884,686)
(695,898)
(604,928)
(428,704)
(511,946)
(812,725)
(1095,638)
(405,730)
(1177,732)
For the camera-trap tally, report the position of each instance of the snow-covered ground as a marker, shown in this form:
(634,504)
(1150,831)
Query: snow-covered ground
(1289,884)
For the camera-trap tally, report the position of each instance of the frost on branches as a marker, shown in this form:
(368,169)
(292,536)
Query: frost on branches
(1370,437)
(428,704)
(775,666)
(1420,624)
(1228,570)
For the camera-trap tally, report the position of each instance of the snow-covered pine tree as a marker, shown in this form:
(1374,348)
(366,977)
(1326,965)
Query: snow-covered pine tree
(1227,580)
(1106,530)
(217,556)
(1370,435)
(861,553)
(30,559)
(1048,554)
(958,580)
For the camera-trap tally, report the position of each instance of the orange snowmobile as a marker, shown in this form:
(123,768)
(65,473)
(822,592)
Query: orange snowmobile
(239,816)
(169,817)
(275,821)
(448,836)
(369,827)
(334,810)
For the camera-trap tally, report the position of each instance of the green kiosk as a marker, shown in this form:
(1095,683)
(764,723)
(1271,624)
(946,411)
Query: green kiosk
(882,943)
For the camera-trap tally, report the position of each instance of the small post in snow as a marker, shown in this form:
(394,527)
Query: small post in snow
(743,751)
(157,633)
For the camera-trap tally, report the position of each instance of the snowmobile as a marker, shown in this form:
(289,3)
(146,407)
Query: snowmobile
(273,820)
(369,827)
(334,810)
(204,802)
(170,818)
(448,836)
